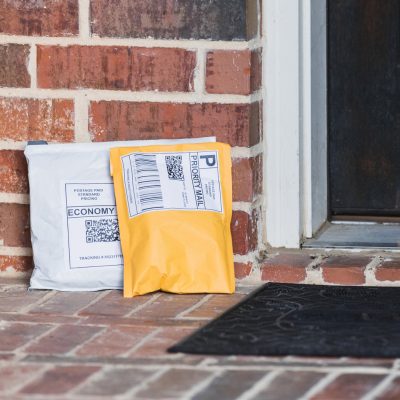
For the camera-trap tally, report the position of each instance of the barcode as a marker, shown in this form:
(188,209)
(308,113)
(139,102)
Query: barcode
(148,180)
(174,168)
(102,230)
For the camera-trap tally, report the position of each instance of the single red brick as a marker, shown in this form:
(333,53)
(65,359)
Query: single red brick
(60,379)
(228,71)
(39,318)
(232,384)
(175,384)
(246,178)
(63,339)
(349,387)
(114,382)
(39,18)
(233,71)
(14,60)
(65,303)
(345,270)
(255,123)
(253,18)
(257,168)
(15,334)
(159,343)
(167,306)
(14,224)
(343,261)
(119,68)
(215,305)
(242,270)
(236,124)
(36,119)
(15,298)
(16,263)
(6,357)
(13,172)
(114,304)
(175,19)
(388,271)
(244,232)
(242,180)
(12,375)
(115,341)
(256,222)
(283,274)
(286,268)
(260,13)
(256,70)
(344,276)
(290,385)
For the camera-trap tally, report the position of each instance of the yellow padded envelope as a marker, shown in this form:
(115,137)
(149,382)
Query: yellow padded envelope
(174,207)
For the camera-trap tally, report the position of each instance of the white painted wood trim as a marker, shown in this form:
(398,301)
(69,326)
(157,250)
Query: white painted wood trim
(306,113)
(281,69)
(294,71)
(314,111)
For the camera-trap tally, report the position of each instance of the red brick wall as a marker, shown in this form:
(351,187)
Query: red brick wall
(96,70)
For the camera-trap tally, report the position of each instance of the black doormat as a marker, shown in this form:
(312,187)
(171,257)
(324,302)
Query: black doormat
(305,320)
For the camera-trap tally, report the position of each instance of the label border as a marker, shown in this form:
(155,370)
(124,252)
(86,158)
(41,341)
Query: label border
(68,236)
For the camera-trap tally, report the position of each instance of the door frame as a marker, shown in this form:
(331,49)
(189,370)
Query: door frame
(295,115)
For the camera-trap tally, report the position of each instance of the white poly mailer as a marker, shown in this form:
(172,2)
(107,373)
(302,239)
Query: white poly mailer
(74,226)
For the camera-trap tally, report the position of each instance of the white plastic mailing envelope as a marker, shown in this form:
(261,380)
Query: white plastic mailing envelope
(74,226)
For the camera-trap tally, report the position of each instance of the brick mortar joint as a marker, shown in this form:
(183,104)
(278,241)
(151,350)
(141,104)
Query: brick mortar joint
(94,40)
(199,79)
(32,66)
(95,95)
(84,19)
(81,119)
(206,365)
(14,251)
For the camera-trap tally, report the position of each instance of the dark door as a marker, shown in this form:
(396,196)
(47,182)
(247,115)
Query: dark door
(364,107)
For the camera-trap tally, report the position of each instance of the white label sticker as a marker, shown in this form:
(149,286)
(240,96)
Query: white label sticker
(92,225)
(172,181)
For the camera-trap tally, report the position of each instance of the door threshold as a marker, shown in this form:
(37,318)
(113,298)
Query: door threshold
(365,219)
(356,234)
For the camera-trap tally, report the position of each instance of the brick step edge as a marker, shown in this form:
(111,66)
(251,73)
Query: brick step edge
(368,270)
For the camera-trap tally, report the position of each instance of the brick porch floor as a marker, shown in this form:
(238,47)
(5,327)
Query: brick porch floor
(99,345)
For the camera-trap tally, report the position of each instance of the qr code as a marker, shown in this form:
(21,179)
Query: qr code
(102,230)
(174,167)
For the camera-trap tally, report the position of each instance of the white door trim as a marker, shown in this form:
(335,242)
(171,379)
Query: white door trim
(294,70)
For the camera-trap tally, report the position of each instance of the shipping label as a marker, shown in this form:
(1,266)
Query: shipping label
(172,181)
